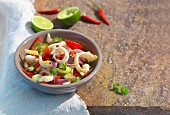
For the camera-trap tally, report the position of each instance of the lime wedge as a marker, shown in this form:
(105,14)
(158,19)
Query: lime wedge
(69,16)
(40,23)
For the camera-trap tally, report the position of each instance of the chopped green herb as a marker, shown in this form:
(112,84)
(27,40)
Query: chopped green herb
(53,70)
(31,68)
(39,49)
(62,66)
(36,45)
(122,91)
(57,39)
(116,87)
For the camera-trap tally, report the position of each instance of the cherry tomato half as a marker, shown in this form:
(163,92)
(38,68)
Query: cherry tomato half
(73,45)
(46,53)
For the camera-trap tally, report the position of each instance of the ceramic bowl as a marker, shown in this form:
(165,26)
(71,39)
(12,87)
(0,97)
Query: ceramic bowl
(88,45)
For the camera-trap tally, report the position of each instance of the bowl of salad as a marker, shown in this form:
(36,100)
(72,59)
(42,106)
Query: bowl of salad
(58,61)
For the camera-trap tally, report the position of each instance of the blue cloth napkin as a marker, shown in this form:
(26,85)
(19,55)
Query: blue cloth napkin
(16,97)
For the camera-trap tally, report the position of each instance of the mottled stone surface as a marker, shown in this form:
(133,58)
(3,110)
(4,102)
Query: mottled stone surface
(135,48)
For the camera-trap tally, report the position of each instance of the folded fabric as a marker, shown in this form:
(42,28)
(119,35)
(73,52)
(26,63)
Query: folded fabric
(16,97)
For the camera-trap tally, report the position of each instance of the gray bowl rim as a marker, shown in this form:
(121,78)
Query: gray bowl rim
(84,80)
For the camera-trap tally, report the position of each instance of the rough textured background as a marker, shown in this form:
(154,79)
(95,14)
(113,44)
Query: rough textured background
(135,48)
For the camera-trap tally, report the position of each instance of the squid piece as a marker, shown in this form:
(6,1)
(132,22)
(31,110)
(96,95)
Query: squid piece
(52,46)
(87,56)
(30,59)
(48,38)
(46,78)
(54,52)
(36,77)
(40,78)
(44,64)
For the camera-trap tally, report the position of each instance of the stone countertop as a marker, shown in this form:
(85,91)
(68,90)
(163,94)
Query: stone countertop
(135,49)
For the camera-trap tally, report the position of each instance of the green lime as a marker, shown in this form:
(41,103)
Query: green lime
(40,23)
(69,16)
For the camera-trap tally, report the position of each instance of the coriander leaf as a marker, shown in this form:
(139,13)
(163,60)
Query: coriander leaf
(57,39)
(31,68)
(36,45)
(53,70)
(62,66)
(116,87)
(39,49)
(124,90)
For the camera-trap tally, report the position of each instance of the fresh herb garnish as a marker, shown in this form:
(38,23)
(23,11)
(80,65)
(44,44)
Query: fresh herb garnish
(116,87)
(122,91)
(53,70)
(62,66)
(31,68)
(37,47)
(57,39)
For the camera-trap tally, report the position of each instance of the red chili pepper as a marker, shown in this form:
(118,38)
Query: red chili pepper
(88,19)
(46,53)
(73,45)
(38,39)
(29,74)
(53,11)
(100,13)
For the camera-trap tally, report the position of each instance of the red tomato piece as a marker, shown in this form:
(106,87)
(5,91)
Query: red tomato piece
(73,45)
(46,53)
(38,39)
(57,77)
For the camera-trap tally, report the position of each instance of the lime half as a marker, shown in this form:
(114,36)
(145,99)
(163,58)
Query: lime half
(40,23)
(69,16)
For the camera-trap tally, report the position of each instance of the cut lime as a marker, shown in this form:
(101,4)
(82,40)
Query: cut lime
(69,16)
(40,23)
